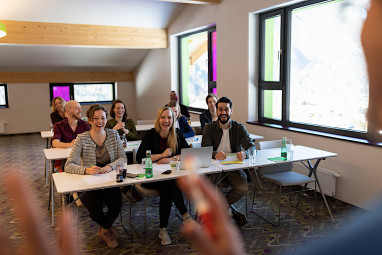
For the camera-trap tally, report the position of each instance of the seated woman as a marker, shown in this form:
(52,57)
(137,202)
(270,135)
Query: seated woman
(58,109)
(120,122)
(100,151)
(210,114)
(162,140)
(181,121)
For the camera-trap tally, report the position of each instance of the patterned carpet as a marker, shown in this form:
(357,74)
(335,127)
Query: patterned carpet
(24,153)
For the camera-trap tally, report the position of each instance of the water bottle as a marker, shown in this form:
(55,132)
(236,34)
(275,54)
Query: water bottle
(284,149)
(148,165)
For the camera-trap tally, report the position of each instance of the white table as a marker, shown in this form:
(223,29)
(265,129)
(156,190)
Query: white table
(69,183)
(301,154)
(147,127)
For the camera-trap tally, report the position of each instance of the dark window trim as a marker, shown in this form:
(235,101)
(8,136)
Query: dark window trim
(353,139)
(6,105)
(211,84)
(71,91)
(284,83)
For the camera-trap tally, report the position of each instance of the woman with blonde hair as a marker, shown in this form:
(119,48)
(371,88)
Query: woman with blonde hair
(58,109)
(181,121)
(165,143)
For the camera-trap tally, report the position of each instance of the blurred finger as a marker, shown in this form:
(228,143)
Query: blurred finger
(28,213)
(198,236)
(68,234)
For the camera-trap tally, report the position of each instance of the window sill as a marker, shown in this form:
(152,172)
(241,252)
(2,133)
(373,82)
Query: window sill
(318,133)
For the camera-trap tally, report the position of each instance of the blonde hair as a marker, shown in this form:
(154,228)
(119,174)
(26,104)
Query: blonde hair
(172,139)
(63,102)
(175,104)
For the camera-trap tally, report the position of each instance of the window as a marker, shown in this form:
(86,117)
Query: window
(197,67)
(3,96)
(312,69)
(84,92)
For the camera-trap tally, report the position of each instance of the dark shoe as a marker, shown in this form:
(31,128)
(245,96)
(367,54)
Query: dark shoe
(136,195)
(240,218)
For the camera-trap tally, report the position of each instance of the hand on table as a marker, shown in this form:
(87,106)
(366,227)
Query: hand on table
(220,156)
(164,161)
(27,212)
(241,155)
(226,240)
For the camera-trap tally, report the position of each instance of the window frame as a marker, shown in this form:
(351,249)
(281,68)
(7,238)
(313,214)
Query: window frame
(284,84)
(6,105)
(211,84)
(71,91)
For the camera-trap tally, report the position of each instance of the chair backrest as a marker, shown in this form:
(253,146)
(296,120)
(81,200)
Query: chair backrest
(272,144)
(144,122)
(277,168)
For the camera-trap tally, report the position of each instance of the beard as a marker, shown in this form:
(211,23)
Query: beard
(74,116)
(224,121)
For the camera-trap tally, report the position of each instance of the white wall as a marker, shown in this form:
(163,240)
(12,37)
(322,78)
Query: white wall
(29,107)
(358,165)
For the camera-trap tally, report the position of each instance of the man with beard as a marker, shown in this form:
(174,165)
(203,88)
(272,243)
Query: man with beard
(66,131)
(228,136)
(183,108)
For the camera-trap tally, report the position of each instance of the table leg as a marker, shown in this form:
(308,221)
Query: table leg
(313,170)
(52,202)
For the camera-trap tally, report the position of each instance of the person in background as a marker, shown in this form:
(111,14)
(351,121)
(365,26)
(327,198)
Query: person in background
(210,114)
(66,131)
(99,151)
(181,121)
(120,122)
(125,128)
(165,143)
(183,108)
(58,110)
(228,136)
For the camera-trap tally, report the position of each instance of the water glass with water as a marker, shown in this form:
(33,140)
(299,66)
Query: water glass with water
(252,156)
(290,149)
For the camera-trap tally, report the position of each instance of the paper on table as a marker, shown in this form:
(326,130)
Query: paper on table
(230,157)
(99,178)
(232,162)
(161,167)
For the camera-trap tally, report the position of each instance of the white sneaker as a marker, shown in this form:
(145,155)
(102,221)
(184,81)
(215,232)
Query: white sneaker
(187,218)
(165,238)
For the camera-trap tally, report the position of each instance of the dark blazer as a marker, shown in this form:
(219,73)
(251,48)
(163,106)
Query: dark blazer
(151,141)
(205,118)
(184,110)
(55,117)
(238,137)
(185,128)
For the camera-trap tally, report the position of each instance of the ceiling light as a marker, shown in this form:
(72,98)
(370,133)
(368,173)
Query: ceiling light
(3,30)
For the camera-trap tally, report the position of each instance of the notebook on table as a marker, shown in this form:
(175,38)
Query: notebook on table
(202,155)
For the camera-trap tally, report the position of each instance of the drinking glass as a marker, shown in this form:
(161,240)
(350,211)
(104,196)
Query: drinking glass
(143,173)
(252,156)
(290,149)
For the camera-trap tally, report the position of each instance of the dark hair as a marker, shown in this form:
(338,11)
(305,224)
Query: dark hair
(224,100)
(93,108)
(112,113)
(211,95)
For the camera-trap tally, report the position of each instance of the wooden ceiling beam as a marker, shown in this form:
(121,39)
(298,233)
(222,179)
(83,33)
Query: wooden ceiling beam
(194,1)
(48,77)
(43,33)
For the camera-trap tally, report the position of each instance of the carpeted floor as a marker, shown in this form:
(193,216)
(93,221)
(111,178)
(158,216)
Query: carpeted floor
(24,153)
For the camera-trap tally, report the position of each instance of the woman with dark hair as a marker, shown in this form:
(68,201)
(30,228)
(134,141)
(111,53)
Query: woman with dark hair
(120,122)
(162,140)
(99,151)
(209,115)
(58,109)
(181,121)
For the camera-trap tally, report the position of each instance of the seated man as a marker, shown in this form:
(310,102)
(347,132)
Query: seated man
(66,131)
(229,136)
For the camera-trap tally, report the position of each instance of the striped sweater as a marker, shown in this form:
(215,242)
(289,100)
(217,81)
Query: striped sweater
(84,152)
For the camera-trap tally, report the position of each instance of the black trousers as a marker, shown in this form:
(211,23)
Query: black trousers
(168,192)
(94,201)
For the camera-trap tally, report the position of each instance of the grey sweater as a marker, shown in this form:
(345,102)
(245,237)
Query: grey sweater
(84,150)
